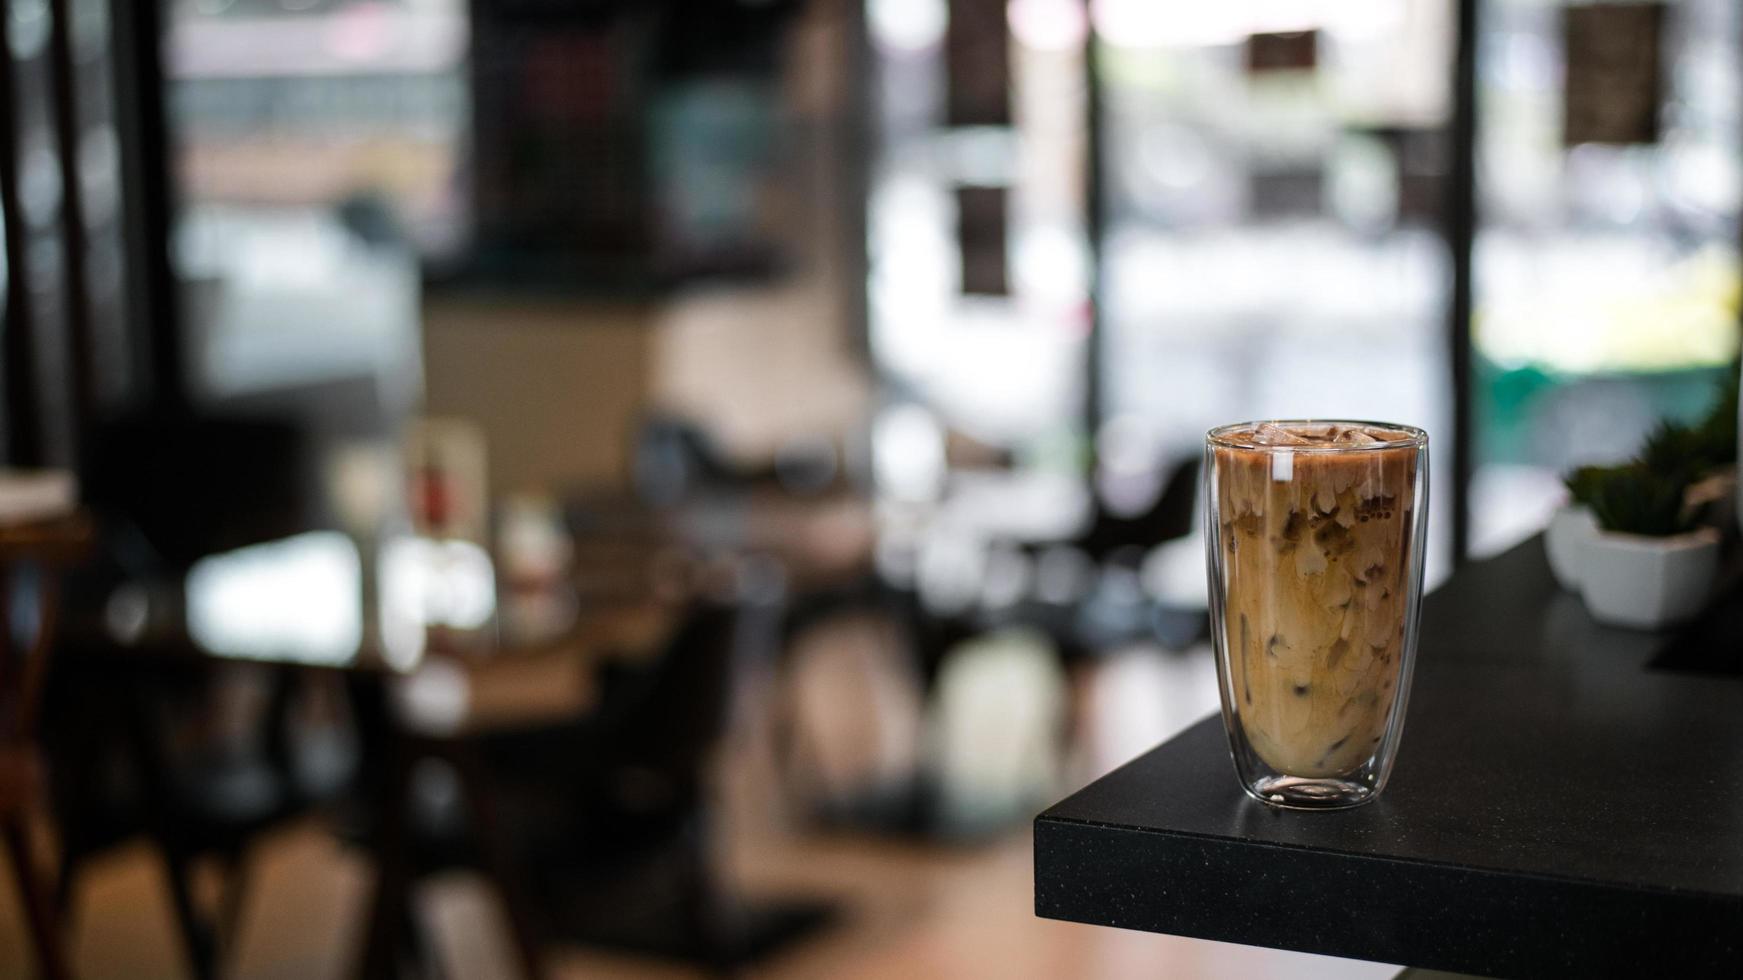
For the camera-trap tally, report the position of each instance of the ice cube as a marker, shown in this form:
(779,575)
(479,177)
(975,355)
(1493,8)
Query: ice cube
(1269,434)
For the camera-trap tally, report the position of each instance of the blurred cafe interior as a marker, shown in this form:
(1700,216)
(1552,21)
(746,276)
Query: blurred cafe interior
(659,488)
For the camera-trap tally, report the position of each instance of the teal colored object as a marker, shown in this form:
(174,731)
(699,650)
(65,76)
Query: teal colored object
(1509,405)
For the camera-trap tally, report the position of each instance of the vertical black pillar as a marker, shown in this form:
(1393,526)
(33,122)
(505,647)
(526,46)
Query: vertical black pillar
(1461,224)
(1094,227)
(74,241)
(20,408)
(148,200)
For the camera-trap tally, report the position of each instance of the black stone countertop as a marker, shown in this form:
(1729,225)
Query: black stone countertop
(1561,804)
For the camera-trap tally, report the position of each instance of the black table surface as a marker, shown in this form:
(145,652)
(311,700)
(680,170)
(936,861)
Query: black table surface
(1568,798)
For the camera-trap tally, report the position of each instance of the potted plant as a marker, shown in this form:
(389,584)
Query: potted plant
(1565,538)
(1701,459)
(1648,564)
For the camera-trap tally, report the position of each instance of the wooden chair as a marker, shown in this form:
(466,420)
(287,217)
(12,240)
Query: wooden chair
(46,547)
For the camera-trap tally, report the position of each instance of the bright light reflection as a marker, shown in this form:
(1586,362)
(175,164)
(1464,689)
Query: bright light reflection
(437,583)
(908,452)
(1608,303)
(362,32)
(1048,25)
(979,156)
(1050,264)
(297,600)
(1148,24)
(909,25)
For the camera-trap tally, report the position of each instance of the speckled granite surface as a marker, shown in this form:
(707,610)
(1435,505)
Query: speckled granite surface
(1558,807)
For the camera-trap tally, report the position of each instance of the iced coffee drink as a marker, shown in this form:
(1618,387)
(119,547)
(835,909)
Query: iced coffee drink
(1315,578)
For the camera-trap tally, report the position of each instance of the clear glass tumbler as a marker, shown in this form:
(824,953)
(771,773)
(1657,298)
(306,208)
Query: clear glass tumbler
(1314,534)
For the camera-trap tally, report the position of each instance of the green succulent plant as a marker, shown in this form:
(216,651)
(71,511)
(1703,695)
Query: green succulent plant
(1646,495)
(1673,447)
(1637,499)
(1582,484)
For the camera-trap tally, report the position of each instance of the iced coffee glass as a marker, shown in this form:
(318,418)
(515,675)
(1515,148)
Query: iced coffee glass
(1314,540)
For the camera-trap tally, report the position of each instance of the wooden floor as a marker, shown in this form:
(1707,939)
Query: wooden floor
(909,910)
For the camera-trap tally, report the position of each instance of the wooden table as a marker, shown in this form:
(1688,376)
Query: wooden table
(395,729)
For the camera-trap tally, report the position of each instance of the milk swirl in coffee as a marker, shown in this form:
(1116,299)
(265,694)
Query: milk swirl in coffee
(1316,547)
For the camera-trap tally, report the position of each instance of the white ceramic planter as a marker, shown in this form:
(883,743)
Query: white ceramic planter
(1564,541)
(1648,583)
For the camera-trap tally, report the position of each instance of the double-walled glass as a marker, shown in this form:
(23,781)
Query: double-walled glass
(1314,535)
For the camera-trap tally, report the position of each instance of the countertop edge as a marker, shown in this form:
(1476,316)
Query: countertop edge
(1378,908)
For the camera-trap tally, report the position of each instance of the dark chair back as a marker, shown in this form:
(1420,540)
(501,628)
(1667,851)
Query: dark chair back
(193,485)
(681,709)
(1171,517)
(1168,518)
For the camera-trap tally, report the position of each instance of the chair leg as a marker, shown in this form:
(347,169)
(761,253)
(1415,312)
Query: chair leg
(153,771)
(50,958)
(704,908)
(417,953)
(233,893)
(383,942)
(196,936)
(63,888)
(498,861)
